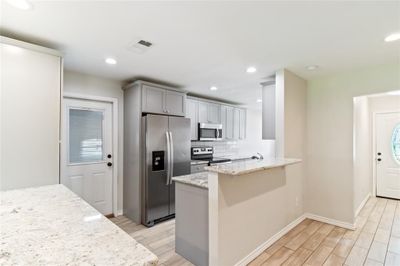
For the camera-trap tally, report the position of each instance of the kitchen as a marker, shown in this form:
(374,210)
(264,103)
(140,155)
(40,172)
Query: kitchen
(168,141)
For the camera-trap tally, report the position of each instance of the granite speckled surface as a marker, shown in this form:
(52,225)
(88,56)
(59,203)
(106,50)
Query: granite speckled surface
(50,225)
(250,166)
(197,179)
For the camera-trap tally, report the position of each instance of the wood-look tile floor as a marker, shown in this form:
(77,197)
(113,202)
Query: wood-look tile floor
(376,241)
(159,239)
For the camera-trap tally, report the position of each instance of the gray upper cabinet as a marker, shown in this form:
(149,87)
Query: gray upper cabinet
(192,108)
(203,112)
(236,123)
(242,123)
(229,122)
(175,103)
(214,113)
(223,120)
(162,101)
(233,119)
(152,100)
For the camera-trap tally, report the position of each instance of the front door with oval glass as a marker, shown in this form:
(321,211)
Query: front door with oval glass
(387,128)
(86,158)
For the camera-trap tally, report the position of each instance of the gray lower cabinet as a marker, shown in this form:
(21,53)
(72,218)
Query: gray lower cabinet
(163,101)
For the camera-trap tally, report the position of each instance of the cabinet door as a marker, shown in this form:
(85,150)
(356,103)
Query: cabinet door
(192,114)
(223,121)
(152,100)
(236,123)
(242,123)
(214,113)
(203,112)
(175,103)
(229,122)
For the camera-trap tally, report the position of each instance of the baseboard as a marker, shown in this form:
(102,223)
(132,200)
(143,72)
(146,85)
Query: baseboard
(255,253)
(119,213)
(330,221)
(362,205)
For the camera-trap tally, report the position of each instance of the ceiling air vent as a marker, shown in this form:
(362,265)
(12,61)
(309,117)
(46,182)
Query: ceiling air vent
(145,43)
(140,46)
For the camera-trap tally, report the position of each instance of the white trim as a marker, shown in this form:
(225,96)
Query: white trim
(119,213)
(260,249)
(30,46)
(114,102)
(374,175)
(362,205)
(330,221)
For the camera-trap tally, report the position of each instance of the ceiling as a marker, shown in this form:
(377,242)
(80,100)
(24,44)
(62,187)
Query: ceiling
(202,44)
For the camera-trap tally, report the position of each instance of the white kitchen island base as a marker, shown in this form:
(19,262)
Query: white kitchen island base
(248,204)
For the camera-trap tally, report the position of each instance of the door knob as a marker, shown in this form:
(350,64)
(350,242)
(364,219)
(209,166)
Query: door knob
(379,153)
(109,164)
(379,159)
(109,156)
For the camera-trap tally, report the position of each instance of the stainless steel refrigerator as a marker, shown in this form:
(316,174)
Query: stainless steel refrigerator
(166,145)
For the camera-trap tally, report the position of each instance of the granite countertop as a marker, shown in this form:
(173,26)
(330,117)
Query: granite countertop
(250,166)
(50,225)
(197,179)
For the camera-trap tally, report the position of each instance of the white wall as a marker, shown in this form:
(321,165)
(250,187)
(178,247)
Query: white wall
(329,178)
(362,152)
(97,86)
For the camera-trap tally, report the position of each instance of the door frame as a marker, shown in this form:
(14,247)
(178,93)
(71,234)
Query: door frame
(374,169)
(115,131)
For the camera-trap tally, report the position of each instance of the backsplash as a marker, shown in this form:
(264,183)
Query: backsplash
(239,148)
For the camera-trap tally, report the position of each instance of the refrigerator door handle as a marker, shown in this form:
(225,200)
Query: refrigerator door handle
(172,157)
(168,158)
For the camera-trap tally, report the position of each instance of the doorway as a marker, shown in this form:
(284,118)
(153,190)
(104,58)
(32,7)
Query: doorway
(387,153)
(87,151)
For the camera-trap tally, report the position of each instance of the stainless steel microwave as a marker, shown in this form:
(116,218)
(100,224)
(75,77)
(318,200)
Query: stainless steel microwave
(210,132)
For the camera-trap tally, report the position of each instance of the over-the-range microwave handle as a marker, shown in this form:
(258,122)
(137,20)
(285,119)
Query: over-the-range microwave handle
(171,172)
(168,157)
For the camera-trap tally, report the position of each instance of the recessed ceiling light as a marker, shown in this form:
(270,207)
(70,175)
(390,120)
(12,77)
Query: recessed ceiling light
(312,67)
(393,37)
(213,88)
(20,4)
(259,100)
(111,61)
(251,69)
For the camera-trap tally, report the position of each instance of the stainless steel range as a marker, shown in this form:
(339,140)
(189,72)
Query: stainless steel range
(207,154)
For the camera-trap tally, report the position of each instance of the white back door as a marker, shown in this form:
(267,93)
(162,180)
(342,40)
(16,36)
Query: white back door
(86,158)
(387,128)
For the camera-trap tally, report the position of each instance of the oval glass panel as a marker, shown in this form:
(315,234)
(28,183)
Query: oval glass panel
(396,143)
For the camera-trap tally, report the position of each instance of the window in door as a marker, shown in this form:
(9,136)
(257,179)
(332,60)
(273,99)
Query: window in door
(85,136)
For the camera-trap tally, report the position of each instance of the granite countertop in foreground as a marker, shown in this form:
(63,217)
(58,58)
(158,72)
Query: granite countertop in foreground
(250,166)
(50,225)
(197,179)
